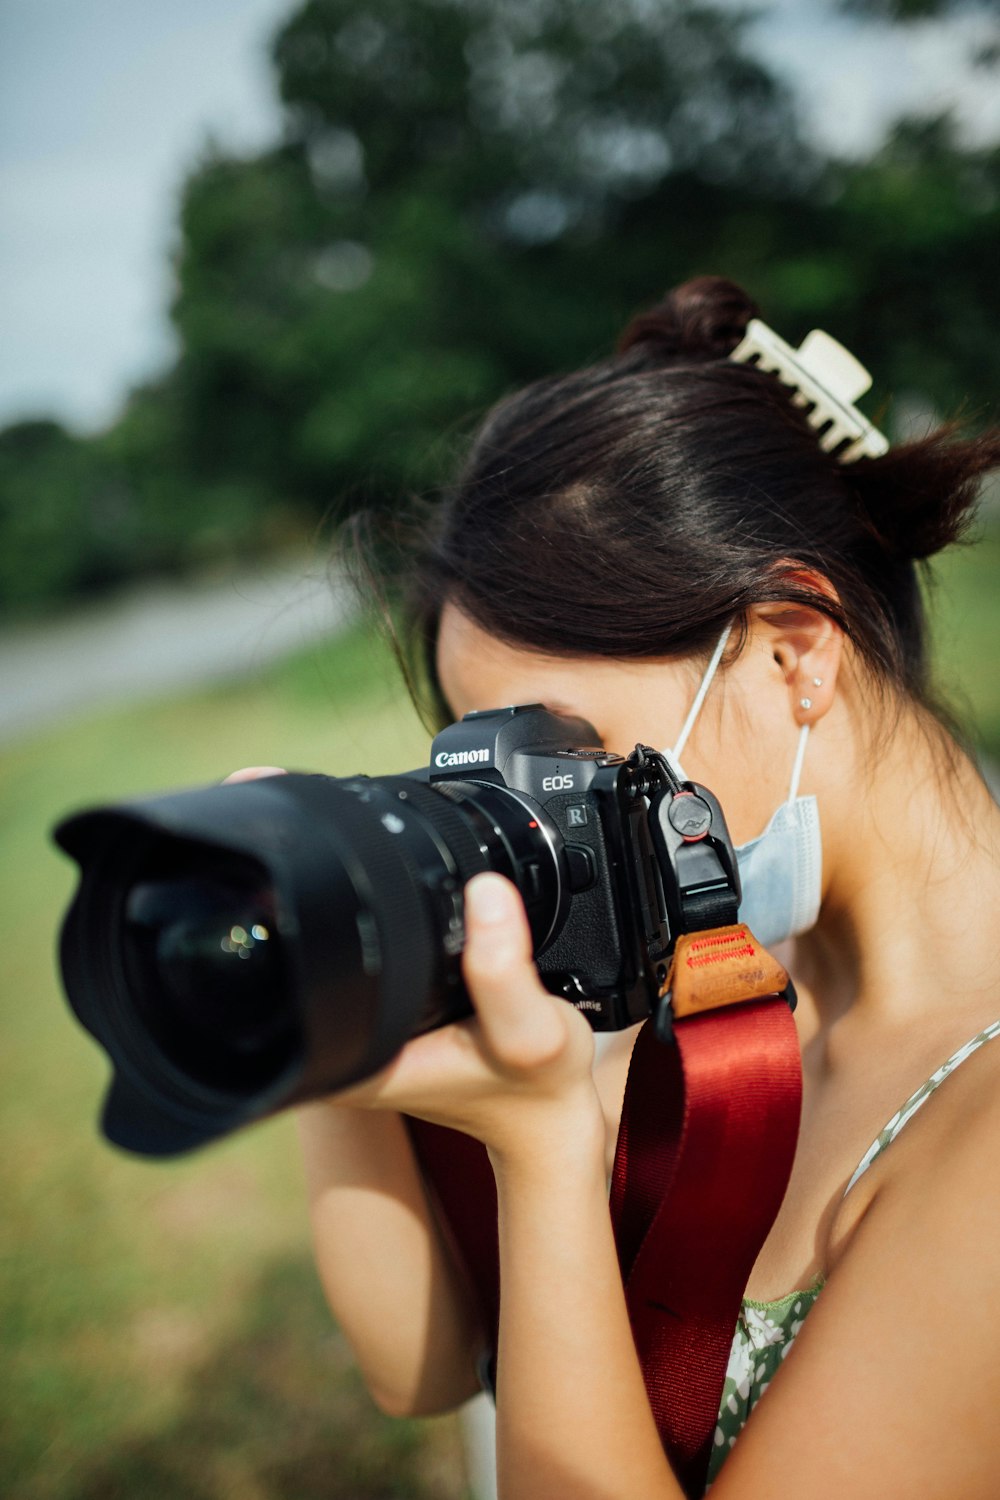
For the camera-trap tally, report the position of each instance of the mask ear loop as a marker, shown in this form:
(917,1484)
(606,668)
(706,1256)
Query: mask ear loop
(699,697)
(800,755)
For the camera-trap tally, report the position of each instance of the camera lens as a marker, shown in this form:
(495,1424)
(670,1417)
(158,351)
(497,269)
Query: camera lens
(240,947)
(204,964)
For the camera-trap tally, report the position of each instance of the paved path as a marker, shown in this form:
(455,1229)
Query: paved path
(160,638)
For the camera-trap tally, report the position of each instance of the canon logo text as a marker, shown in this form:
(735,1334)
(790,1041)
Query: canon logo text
(461,758)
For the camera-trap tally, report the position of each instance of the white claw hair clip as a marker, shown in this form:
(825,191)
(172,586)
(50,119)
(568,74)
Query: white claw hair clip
(825,380)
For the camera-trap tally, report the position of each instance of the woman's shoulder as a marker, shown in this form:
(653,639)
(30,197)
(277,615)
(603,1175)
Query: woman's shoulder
(943,1140)
(962,1111)
(946,1121)
(962,1096)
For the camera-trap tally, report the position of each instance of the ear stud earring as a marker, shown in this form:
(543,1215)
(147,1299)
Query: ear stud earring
(817,682)
(805,703)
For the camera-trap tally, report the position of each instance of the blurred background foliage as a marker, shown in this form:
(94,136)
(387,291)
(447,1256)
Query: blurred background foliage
(467,194)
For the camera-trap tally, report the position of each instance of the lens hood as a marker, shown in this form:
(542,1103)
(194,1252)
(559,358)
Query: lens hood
(338,888)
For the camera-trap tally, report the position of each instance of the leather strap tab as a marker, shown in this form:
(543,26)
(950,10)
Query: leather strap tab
(721,967)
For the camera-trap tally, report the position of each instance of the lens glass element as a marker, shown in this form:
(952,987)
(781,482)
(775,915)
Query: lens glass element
(205,963)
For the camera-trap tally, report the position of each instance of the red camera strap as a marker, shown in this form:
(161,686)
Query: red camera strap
(705,1149)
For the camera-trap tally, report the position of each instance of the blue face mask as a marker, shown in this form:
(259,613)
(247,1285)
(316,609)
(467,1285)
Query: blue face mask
(781,869)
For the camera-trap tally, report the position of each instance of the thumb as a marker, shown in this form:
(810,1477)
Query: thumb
(517,1015)
(498,939)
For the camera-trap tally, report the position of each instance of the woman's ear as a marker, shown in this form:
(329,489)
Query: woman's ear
(808,646)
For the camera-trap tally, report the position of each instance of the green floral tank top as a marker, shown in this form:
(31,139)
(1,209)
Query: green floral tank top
(766,1331)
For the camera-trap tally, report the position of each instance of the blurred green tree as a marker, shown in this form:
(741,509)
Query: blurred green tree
(63,527)
(447,214)
(467,194)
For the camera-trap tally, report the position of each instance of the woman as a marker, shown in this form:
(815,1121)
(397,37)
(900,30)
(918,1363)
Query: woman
(608,529)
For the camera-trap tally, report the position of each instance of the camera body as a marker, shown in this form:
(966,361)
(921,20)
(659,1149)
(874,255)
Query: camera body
(241,948)
(625,871)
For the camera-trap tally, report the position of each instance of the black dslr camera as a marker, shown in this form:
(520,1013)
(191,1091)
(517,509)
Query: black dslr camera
(244,947)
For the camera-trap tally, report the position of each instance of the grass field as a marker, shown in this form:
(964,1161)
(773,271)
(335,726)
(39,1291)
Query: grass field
(162,1332)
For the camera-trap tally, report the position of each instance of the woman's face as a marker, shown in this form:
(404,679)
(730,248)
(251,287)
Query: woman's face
(742,746)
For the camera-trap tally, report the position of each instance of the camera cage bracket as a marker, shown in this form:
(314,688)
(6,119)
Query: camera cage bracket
(715,962)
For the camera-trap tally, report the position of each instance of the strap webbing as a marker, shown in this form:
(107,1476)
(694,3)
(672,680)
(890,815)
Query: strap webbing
(705,1148)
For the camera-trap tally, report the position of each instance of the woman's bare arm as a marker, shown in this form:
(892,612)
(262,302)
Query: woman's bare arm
(386,1271)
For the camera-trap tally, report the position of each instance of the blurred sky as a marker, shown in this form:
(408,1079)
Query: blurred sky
(105,104)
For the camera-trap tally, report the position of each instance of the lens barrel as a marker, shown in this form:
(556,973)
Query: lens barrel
(243,947)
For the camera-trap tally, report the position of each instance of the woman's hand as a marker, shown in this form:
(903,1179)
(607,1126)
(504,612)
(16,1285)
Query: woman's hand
(518,1075)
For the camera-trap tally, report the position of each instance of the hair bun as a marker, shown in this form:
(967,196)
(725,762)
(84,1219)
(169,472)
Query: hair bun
(921,496)
(702,319)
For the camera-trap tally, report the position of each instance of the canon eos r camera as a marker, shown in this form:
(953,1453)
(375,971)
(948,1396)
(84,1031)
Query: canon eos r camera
(239,948)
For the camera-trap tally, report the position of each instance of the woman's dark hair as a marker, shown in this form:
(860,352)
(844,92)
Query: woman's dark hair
(632,508)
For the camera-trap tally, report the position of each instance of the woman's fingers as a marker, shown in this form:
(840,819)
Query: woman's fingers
(522,1026)
(254,773)
(521,1038)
